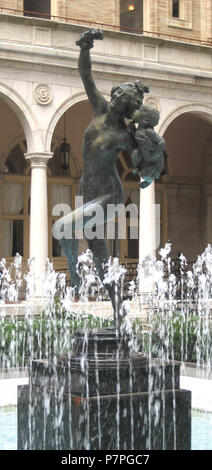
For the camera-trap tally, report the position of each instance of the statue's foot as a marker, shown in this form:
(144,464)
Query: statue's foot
(144,184)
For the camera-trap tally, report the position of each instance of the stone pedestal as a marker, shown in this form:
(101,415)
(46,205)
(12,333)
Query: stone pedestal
(103,398)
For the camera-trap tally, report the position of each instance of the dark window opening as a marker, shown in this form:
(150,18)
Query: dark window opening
(37,8)
(131,16)
(56,248)
(133,246)
(17,237)
(176,8)
(15,162)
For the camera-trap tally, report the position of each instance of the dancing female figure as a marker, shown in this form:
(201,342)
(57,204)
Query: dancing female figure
(106,136)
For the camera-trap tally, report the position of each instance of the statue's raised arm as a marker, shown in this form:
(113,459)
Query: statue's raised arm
(85,42)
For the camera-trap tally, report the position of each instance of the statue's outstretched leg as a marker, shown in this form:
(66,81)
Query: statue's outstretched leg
(70,248)
(100,254)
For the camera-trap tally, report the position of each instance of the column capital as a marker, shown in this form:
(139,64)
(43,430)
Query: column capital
(38,159)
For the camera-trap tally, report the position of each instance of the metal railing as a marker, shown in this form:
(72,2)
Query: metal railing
(80,22)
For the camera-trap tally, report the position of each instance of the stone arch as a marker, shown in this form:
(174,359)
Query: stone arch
(195,108)
(23,113)
(68,103)
(187,130)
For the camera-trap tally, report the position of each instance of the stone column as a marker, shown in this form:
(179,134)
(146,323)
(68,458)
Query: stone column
(1,221)
(39,215)
(208,225)
(207,177)
(147,231)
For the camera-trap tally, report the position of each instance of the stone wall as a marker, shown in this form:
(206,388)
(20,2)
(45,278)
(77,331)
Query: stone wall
(206,20)
(93,11)
(194,22)
(13,4)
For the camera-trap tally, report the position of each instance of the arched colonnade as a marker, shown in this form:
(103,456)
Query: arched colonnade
(40,125)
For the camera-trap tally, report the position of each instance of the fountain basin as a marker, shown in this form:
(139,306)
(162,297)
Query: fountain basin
(111,402)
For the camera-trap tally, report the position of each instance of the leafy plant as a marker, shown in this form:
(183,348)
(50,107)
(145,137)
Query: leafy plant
(177,336)
(22,340)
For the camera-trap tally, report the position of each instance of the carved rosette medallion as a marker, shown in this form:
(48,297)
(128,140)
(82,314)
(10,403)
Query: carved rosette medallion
(43,94)
(152,101)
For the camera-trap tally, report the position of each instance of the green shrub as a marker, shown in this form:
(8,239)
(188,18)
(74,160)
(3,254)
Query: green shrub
(170,336)
(22,340)
(177,336)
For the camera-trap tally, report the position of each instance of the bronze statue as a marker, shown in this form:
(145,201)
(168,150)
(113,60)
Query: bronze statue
(106,136)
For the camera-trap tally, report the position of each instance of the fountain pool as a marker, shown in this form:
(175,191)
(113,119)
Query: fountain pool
(201,431)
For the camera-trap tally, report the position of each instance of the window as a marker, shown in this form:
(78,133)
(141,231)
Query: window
(16,200)
(131,15)
(16,190)
(37,8)
(13,236)
(16,193)
(180,14)
(176,8)
(61,193)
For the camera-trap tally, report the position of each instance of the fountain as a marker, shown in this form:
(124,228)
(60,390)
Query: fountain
(93,389)
(103,393)
(110,385)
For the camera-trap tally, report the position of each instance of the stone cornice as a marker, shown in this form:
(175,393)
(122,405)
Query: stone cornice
(61,55)
(109,31)
(151,77)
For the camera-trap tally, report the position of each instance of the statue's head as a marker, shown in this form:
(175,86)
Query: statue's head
(146,116)
(128,97)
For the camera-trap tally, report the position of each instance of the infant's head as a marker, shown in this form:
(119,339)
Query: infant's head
(146,116)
